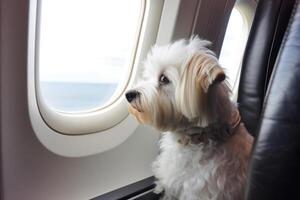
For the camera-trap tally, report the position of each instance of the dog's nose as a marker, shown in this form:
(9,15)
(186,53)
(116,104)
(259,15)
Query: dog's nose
(131,95)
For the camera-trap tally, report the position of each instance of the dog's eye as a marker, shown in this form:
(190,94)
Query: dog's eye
(163,80)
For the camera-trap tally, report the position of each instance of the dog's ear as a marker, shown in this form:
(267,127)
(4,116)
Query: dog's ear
(200,72)
(205,70)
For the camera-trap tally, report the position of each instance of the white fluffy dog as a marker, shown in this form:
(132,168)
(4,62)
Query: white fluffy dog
(204,146)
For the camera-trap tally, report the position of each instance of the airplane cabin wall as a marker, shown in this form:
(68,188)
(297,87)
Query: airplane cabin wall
(29,170)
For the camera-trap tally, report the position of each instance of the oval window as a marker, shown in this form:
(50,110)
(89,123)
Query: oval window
(234,45)
(85,51)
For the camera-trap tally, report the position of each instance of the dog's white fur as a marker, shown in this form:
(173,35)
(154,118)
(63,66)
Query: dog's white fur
(194,96)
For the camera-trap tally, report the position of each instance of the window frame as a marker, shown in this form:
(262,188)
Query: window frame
(110,126)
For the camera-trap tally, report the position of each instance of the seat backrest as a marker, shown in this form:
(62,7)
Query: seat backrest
(274,169)
(269,24)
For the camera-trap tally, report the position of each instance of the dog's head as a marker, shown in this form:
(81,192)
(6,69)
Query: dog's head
(182,83)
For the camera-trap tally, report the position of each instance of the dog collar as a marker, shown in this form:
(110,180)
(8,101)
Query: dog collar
(217,132)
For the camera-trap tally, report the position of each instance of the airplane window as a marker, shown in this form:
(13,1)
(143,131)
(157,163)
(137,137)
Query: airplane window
(233,45)
(85,51)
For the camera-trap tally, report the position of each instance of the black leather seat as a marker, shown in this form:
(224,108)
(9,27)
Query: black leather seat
(274,171)
(269,25)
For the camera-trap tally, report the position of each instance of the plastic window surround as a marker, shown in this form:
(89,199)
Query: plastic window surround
(88,144)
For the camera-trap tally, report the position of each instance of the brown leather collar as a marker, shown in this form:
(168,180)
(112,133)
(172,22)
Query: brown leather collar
(216,132)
